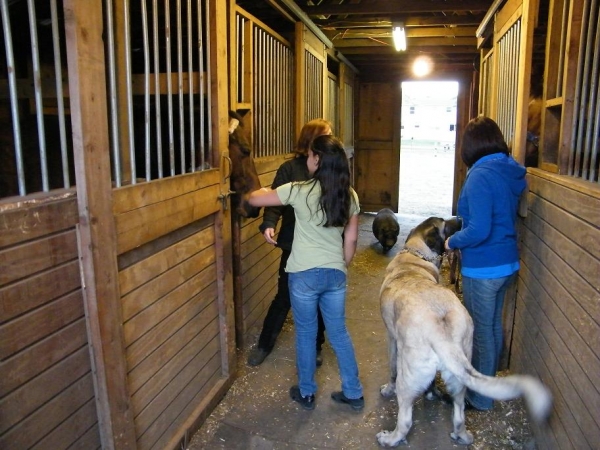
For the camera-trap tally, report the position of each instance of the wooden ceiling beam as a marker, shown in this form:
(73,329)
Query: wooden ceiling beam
(360,59)
(411,42)
(407,67)
(390,50)
(396,7)
(409,21)
(410,33)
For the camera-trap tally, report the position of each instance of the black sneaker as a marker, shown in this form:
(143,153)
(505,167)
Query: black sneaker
(257,356)
(307,402)
(319,359)
(356,403)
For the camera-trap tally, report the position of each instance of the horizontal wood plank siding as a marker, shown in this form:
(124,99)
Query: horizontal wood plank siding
(375,161)
(171,329)
(46,390)
(163,207)
(259,260)
(557,323)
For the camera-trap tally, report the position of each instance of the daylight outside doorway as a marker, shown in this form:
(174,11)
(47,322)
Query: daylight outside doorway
(428,136)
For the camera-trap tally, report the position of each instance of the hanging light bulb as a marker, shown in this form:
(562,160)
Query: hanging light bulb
(399,35)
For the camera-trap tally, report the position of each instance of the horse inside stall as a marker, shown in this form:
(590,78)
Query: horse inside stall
(534,113)
(244,178)
(534,126)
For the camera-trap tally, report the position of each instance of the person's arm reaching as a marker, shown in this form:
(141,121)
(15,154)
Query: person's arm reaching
(350,238)
(264,197)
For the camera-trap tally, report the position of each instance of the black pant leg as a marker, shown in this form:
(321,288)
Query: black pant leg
(320,330)
(279,308)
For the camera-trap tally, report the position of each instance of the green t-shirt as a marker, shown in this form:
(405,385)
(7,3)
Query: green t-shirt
(314,245)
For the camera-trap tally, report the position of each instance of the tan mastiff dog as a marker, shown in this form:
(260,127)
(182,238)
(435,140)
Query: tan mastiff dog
(430,330)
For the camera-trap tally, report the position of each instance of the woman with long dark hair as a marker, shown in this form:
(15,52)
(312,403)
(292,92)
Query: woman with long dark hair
(325,237)
(292,170)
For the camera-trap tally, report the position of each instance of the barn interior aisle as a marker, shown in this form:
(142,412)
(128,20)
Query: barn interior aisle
(257,412)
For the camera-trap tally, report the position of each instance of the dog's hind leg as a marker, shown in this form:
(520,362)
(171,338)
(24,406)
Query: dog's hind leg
(389,389)
(406,398)
(457,390)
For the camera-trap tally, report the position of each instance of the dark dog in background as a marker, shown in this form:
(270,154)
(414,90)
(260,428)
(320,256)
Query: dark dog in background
(386,228)
(430,330)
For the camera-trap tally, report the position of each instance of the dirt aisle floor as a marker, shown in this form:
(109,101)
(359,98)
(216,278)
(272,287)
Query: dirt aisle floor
(257,412)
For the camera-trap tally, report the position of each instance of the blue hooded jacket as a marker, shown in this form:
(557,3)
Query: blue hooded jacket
(488,204)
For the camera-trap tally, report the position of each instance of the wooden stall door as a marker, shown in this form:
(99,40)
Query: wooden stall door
(156,259)
(377,146)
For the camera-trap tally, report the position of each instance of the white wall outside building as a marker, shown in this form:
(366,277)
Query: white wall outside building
(428,113)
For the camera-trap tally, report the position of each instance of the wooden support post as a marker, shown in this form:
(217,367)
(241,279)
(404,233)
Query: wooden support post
(97,234)
(220,113)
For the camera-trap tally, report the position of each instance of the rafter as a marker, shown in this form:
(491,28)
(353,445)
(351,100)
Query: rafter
(415,42)
(410,33)
(388,50)
(409,21)
(387,7)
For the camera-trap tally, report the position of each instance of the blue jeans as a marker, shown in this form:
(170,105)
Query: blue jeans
(484,299)
(324,289)
(279,309)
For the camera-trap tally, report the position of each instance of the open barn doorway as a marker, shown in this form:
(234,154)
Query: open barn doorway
(427,148)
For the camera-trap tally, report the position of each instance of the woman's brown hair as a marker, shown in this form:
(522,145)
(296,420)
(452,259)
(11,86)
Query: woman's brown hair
(310,131)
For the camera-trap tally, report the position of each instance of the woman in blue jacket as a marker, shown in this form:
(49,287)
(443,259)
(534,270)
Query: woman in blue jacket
(488,205)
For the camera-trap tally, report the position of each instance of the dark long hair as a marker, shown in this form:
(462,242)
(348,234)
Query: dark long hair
(482,137)
(333,174)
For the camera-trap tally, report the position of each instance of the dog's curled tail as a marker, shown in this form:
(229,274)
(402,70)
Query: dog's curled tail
(537,396)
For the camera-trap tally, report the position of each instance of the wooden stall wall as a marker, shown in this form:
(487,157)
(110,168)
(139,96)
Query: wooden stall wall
(557,325)
(263,91)
(506,70)
(175,321)
(377,151)
(46,383)
(260,261)
(311,76)
(155,317)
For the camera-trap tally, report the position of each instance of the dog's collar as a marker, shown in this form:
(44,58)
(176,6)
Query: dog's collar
(415,252)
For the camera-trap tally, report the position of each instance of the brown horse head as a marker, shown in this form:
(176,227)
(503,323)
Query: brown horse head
(534,125)
(244,178)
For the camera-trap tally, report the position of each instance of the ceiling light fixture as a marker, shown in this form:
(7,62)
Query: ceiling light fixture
(399,36)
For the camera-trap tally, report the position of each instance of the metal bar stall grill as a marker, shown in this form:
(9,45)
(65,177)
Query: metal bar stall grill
(59,94)
(487,65)
(273,87)
(583,157)
(348,114)
(40,160)
(508,63)
(39,105)
(128,87)
(313,87)
(190,74)
(180,88)
(271,96)
(257,65)
(12,83)
(165,88)
(112,95)
(332,104)
(146,88)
